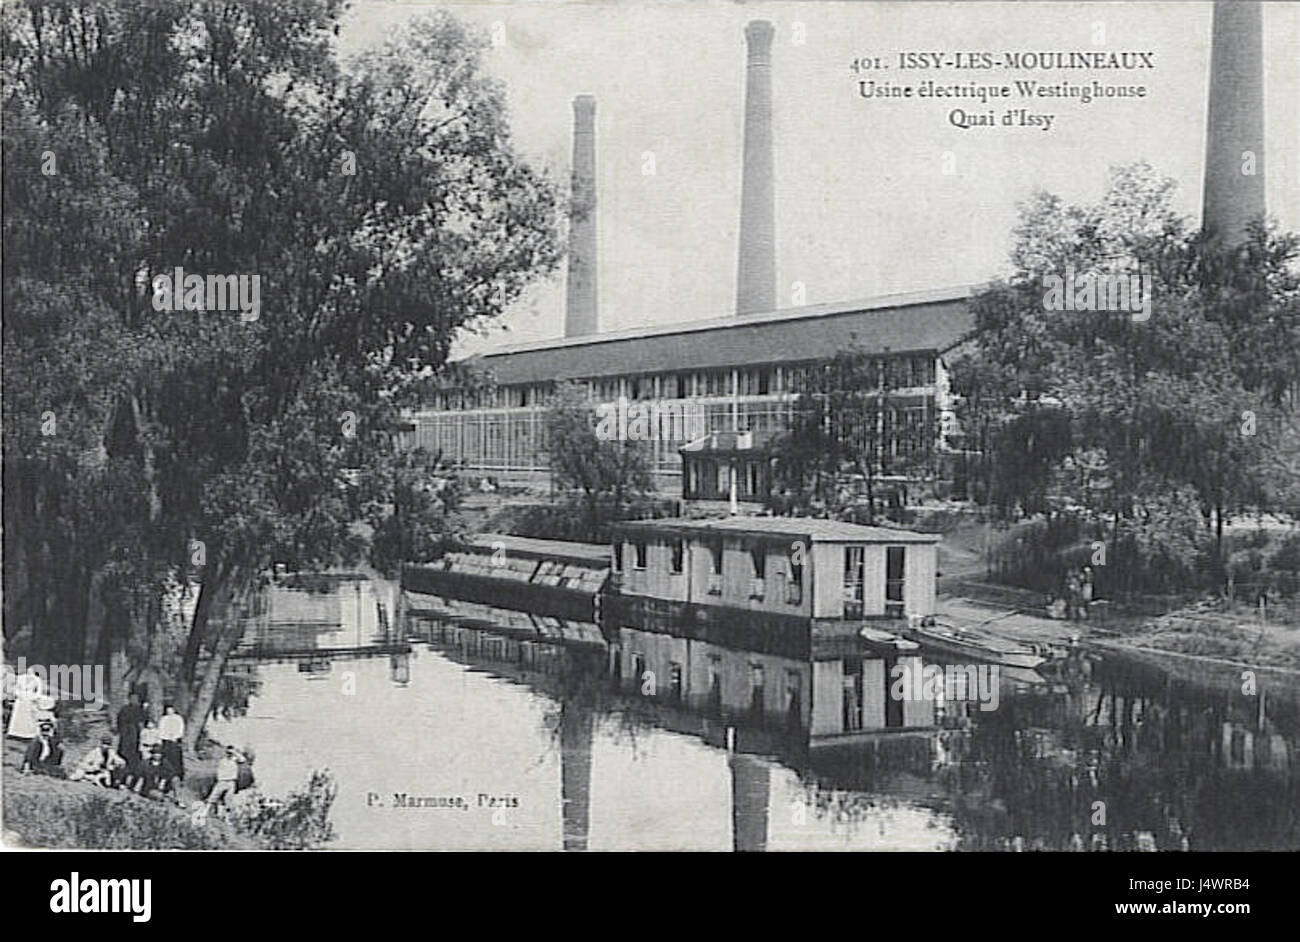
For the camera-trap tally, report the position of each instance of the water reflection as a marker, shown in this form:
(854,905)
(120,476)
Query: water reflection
(474,740)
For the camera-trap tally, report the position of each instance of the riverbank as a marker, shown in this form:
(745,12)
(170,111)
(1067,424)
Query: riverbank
(42,811)
(46,812)
(1213,630)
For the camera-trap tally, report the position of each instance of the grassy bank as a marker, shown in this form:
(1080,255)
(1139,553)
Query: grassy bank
(42,811)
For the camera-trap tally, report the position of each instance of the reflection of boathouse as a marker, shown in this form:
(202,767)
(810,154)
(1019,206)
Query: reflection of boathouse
(761,622)
(775,619)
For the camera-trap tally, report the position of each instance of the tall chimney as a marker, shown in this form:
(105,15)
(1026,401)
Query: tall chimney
(756,270)
(580,289)
(1234,135)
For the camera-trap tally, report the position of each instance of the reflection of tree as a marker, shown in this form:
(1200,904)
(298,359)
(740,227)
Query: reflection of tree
(1154,767)
(848,785)
(581,686)
(233,693)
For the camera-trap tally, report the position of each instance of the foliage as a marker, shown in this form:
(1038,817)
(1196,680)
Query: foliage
(298,822)
(605,475)
(1150,423)
(839,441)
(384,209)
(71,815)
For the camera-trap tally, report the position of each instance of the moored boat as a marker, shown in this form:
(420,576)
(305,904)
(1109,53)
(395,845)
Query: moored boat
(973,646)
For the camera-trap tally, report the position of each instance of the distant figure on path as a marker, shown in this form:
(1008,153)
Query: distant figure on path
(1073,588)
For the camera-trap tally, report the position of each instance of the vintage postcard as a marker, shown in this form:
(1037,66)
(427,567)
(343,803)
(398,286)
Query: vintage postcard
(583,426)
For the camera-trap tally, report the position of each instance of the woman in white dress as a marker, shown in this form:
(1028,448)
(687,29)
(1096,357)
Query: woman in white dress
(28,689)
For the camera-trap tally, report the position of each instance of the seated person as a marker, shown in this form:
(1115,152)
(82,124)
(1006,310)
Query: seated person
(157,773)
(44,753)
(102,765)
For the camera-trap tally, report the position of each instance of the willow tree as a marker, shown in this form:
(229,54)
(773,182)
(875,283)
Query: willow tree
(383,207)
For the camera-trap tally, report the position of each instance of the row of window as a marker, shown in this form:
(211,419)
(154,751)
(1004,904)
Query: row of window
(757,685)
(791,576)
(893,372)
(518,440)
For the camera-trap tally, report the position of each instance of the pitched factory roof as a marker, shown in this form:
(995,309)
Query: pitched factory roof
(916,322)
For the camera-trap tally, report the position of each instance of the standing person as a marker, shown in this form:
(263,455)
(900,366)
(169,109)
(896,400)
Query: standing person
(227,776)
(23,721)
(130,719)
(1086,590)
(150,737)
(172,730)
(1072,589)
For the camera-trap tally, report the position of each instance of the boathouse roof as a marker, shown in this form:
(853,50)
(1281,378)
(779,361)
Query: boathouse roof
(597,553)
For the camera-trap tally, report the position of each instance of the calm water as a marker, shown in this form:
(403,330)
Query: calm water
(548,759)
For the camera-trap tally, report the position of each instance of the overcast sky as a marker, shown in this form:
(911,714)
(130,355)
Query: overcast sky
(863,206)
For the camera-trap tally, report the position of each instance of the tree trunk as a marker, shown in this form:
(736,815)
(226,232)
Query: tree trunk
(231,628)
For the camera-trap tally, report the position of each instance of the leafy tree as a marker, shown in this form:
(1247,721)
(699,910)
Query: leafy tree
(1146,406)
(842,437)
(381,204)
(606,474)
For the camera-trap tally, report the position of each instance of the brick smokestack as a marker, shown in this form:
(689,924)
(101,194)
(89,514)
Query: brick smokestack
(756,270)
(1235,122)
(580,288)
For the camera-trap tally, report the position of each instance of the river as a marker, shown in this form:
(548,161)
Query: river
(463,746)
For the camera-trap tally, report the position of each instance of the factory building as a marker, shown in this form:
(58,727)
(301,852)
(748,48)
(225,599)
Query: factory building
(741,373)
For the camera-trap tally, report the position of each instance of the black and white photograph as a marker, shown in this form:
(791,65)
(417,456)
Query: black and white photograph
(652,426)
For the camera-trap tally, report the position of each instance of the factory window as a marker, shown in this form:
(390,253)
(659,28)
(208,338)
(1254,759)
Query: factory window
(894,569)
(679,555)
(854,557)
(681,385)
(758,556)
(675,680)
(793,697)
(764,382)
(715,557)
(618,555)
(751,478)
(724,479)
(639,554)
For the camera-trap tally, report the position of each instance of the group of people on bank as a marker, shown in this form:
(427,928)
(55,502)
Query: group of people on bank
(1077,595)
(145,756)
(148,757)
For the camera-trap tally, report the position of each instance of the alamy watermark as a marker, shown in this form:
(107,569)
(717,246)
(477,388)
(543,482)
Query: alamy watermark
(952,683)
(181,292)
(78,682)
(666,420)
(1126,292)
